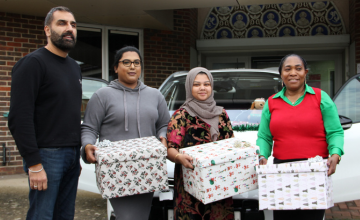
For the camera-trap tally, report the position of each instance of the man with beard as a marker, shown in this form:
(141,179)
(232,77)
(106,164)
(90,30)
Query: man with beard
(44,119)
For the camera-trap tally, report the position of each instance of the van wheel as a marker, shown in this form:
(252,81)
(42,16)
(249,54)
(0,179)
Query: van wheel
(113,216)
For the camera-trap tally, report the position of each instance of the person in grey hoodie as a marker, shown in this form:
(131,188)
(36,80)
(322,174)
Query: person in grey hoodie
(126,109)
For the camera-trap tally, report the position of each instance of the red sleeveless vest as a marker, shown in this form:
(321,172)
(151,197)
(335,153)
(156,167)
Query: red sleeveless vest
(298,131)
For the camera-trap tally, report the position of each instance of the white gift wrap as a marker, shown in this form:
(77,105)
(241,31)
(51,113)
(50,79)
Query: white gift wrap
(131,167)
(221,170)
(296,185)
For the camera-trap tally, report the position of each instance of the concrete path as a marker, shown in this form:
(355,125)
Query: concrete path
(15,203)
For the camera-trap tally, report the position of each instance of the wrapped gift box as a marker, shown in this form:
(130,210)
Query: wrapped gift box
(221,169)
(131,167)
(300,185)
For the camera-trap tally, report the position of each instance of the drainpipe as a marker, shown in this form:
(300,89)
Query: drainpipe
(4,154)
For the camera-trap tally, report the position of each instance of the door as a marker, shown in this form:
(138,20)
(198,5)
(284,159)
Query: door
(347,176)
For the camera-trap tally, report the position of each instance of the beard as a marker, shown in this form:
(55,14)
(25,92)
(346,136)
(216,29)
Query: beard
(60,42)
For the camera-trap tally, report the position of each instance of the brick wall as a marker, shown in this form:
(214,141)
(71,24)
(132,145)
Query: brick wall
(166,52)
(354,26)
(19,35)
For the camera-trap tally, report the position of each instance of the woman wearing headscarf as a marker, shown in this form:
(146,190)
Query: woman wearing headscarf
(126,109)
(198,121)
(298,123)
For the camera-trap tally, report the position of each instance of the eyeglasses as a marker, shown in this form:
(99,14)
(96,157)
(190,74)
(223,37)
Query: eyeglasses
(128,63)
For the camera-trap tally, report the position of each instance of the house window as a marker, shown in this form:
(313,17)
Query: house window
(87,51)
(96,47)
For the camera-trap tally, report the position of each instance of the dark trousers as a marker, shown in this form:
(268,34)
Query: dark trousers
(315,214)
(62,167)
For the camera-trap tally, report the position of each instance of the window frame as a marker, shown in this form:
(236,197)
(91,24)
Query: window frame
(105,44)
(342,88)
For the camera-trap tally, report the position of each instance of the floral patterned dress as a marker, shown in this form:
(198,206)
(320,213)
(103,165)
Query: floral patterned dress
(186,131)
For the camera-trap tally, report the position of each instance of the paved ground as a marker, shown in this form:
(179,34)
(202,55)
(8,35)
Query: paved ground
(344,210)
(90,206)
(14,200)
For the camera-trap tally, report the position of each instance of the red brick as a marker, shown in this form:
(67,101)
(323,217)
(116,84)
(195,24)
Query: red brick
(355,213)
(12,163)
(22,40)
(19,20)
(29,45)
(28,35)
(42,37)
(21,50)
(28,26)
(4,138)
(13,54)
(36,22)
(354,208)
(36,32)
(337,215)
(6,58)
(6,29)
(5,68)
(12,34)
(33,41)
(342,206)
(350,204)
(40,27)
(13,44)
(10,24)
(21,30)
(6,48)
(6,38)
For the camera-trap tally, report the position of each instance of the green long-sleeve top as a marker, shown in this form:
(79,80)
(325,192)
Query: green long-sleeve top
(333,129)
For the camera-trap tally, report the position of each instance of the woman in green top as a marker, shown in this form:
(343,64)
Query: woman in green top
(302,122)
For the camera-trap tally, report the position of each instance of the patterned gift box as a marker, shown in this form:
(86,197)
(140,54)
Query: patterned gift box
(221,169)
(297,185)
(131,167)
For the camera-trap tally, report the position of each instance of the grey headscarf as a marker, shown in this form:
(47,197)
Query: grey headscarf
(205,110)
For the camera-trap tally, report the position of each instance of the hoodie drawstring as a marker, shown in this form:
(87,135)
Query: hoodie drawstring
(126,114)
(138,113)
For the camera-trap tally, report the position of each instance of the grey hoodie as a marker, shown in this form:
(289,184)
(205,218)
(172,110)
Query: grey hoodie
(118,113)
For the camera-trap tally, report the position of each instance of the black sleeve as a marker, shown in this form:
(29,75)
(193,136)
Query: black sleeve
(26,80)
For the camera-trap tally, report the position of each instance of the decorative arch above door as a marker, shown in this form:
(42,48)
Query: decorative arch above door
(273,20)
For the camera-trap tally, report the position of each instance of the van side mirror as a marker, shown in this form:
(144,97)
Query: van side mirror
(345,122)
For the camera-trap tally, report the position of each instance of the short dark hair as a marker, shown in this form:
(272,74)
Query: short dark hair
(119,54)
(291,55)
(50,15)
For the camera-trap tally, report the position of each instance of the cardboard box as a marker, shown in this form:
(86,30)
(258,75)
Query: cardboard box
(131,167)
(297,185)
(221,170)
